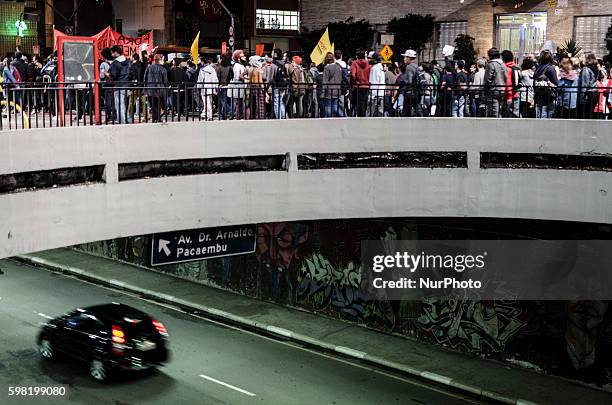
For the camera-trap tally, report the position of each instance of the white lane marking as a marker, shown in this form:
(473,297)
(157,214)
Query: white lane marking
(227,385)
(45,316)
(290,344)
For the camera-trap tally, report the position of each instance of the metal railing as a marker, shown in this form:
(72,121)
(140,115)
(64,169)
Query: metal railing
(43,105)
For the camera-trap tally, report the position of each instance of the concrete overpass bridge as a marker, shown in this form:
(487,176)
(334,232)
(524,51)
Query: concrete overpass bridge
(60,187)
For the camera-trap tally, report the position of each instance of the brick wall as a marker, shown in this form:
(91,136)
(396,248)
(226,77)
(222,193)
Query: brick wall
(479,14)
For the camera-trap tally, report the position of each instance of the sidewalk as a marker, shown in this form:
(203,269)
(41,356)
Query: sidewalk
(487,378)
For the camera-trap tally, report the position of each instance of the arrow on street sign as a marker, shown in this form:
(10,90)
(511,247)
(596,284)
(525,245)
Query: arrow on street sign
(163,245)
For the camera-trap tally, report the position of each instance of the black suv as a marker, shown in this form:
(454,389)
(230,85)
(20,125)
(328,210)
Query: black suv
(109,337)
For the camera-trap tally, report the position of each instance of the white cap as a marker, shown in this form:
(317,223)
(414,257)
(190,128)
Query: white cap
(410,53)
(370,54)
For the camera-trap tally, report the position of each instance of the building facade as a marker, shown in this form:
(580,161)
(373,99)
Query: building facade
(519,25)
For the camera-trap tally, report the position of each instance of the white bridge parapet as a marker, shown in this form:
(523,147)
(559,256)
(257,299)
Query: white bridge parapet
(576,185)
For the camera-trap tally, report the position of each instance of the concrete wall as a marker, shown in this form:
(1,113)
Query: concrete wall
(42,219)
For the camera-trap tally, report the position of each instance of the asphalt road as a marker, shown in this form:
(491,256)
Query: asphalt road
(211,363)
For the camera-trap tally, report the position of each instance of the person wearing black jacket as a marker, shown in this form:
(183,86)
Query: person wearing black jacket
(177,78)
(120,76)
(136,99)
(156,82)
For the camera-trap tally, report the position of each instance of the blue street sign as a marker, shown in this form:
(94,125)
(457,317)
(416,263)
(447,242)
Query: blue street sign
(202,244)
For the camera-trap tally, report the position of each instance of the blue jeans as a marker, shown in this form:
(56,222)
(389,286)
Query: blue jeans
(224,104)
(332,108)
(121,105)
(545,111)
(459,107)
(278,100)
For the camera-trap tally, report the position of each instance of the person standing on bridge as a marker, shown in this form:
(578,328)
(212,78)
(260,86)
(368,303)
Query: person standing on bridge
(120,76)
(495,78)
(332,80)
(208,82)
(156,81)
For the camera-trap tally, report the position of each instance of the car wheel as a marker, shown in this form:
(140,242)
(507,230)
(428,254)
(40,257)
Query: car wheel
(98,370)
(46,350)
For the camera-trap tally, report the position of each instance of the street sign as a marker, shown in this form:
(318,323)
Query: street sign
(387,39)
(386,53)
(202,244)
(231,31)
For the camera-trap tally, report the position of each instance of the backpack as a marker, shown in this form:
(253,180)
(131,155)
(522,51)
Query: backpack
(281,78)
(17,75)
(516,77)
(544,91)
(346,78)
(308,79)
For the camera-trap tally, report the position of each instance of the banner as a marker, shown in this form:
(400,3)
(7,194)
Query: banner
(109,37)
(130,45)
(323,46)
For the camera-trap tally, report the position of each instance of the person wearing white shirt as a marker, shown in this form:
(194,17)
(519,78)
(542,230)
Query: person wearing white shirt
(377,88)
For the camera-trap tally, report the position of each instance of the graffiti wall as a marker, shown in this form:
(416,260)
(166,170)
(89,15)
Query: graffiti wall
(316,266)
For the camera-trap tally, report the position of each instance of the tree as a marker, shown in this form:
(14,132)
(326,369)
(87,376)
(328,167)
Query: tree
(569,48)
(608,57)
(348,36)
(464,49)
(411,31)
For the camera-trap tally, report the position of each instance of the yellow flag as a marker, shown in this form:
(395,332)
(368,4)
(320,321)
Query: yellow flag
(323,46)
(194,49)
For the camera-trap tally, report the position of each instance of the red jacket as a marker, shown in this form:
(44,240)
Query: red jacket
(510,93)
(360,73)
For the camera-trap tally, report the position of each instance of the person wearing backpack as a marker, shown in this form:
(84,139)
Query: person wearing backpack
(587,87)
(495,79)
(280,85)
(512,103)
(346,81)
(309,99)
(545,83)
(408,83)
(449,88)
(120,75)
(461,87)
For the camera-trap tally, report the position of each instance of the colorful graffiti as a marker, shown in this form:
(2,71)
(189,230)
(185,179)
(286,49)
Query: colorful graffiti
(317,266)
(323,286)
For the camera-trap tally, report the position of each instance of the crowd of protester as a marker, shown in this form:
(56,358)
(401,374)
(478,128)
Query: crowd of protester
(282,85)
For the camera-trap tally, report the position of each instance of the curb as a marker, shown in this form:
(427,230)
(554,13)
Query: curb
(245,323)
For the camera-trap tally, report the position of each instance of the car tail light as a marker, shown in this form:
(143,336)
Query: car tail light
(160,327)
(118,335)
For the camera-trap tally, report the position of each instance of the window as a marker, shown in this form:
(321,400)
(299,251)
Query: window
(277,20)
(590,33)
(521,33)
(446,32)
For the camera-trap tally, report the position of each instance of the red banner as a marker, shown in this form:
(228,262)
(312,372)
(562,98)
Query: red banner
(109,37)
